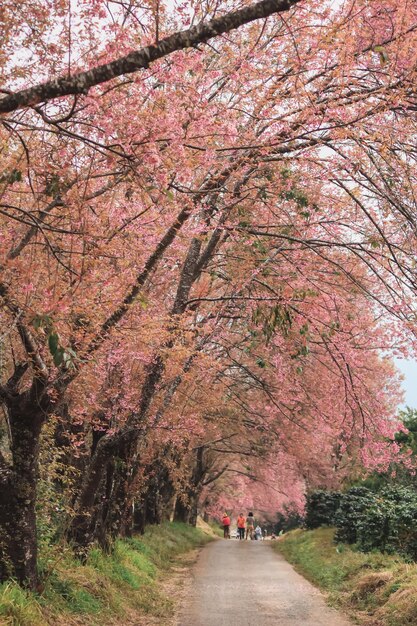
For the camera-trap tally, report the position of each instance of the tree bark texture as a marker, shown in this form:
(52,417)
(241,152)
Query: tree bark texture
(18,542)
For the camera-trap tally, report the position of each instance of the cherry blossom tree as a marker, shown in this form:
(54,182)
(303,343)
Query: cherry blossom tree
(208,242)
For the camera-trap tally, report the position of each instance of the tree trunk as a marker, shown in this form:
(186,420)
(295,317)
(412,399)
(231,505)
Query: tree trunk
(119,506)
(182,512)
(167,494)
(126,528)
(154,503)
(187,511)
(192,519)
(82,529)
(101,510)
(103,495)
(18,541)
(139,517)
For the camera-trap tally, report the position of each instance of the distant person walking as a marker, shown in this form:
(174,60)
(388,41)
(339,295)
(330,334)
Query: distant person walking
(241,526)
(258,533)
(250,525)
(226,526)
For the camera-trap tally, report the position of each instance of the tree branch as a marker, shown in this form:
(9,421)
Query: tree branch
(26,336)
(150,264)
(140,59)
(216,476)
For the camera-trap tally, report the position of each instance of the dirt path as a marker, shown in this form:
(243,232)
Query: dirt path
(247,583)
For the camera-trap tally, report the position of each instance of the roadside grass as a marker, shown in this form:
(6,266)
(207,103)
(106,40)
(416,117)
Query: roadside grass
(216,529)
(375,589)
(117,588)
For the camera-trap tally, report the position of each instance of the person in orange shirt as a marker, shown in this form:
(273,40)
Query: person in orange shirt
(241,526)
(226,526)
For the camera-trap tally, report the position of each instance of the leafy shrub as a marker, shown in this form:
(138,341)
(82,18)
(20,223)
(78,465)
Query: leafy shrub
(321,507)
(376,529)
(390,524)
(353,506)
(386,520)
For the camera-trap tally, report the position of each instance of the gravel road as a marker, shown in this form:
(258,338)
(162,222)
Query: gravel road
(246,583)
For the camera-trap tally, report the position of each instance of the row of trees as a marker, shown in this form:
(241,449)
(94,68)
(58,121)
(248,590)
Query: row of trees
(207,257)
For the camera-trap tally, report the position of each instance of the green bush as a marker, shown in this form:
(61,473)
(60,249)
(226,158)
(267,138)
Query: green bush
(385,521)
(353,506)
(321,507)
(390,524)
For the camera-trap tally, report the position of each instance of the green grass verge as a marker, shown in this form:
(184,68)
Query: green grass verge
(375,589)
(109,589)
(216,529)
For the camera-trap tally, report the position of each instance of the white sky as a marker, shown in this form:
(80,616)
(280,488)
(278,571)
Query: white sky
(409,370)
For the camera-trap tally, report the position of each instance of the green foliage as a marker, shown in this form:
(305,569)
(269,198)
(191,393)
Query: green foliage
(352,509)
(71,596)
(272,319)
(61,356)
(398,473)
(53,185)
(163,548)
(409,439)
(298,196)
(380,513)
(382,53)
(321,507)
(390,523)
(385,520)
(287,520)
(11,177)
(324,562)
